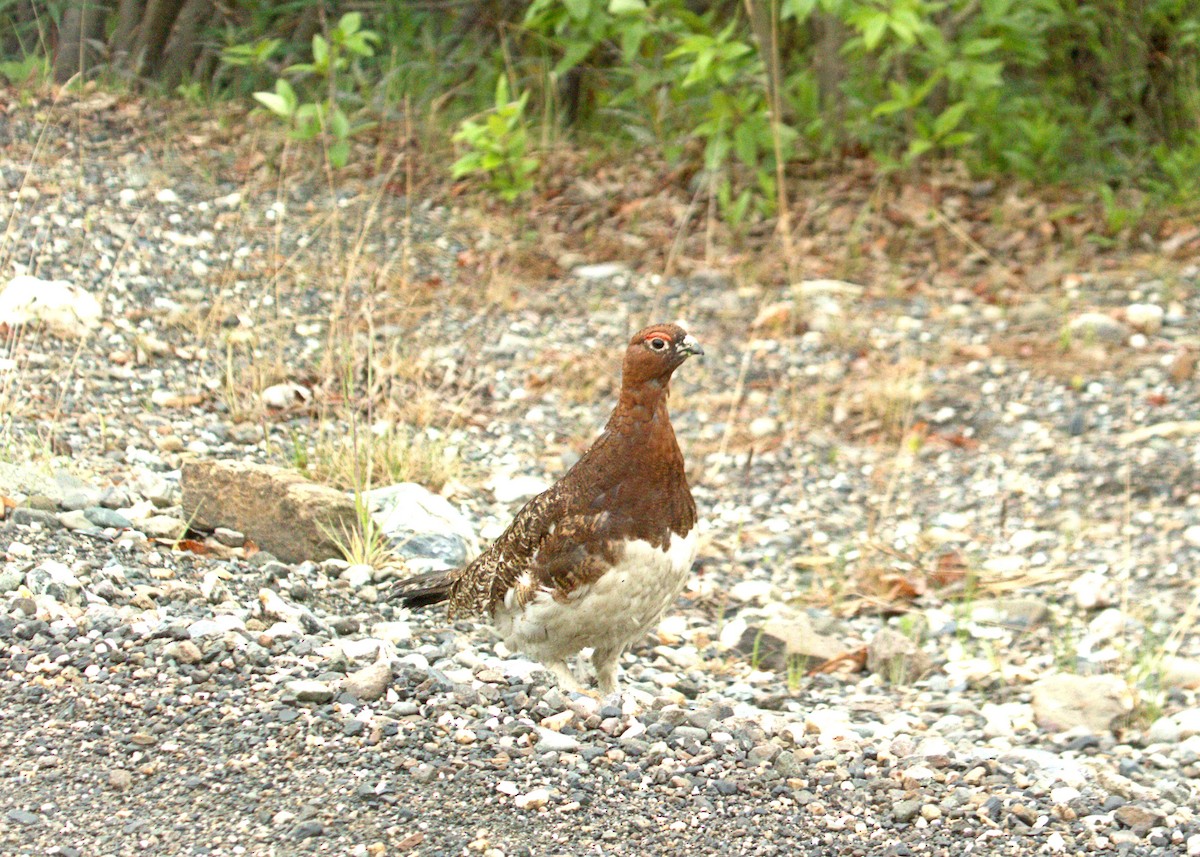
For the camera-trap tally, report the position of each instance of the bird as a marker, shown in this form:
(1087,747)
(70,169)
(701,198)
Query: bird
(595,560)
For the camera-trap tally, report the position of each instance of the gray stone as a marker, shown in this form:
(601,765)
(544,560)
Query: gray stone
(10,579)
(229,538)
(1018,613)
(896,658)
(1098,327)
(370,682)
(1097,703)
(309,690)
(105,518)
(19,480)
(75,520)
(162,527)
(693,733)
(786,641)
(1138,818)
(184,651)
(905,811)
(283,513)
(79,499)
(55,580)
(422,527)
(30,517)
(786,764)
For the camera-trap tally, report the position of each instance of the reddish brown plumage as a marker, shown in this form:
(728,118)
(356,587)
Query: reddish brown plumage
(629,487)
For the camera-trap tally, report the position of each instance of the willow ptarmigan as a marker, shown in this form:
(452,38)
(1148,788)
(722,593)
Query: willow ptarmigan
(595,560)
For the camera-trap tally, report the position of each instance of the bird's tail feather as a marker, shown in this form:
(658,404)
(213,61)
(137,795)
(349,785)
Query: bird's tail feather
(421,590)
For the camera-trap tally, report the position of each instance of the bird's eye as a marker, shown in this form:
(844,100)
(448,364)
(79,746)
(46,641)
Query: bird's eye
(658,344)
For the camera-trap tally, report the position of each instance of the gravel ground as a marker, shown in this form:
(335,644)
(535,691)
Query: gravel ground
(1017,489)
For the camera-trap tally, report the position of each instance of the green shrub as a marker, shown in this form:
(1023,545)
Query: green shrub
(334,59)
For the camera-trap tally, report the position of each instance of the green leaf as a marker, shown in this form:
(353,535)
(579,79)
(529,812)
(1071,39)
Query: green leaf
(350,22)
(626,7)
(320,50)
(339,125)
(577,9)
(575,53)
(916,148)
(979,47)
(949,118)
(798,9)
(277,104)
(874,31)
(745,143)
(339,153)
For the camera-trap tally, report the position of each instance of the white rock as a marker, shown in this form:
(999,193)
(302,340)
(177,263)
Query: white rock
(811,289)
(601,271)
(213,588)
(1108,624)
(534,799)
(509,489)
(1193,845)
(508,787)
(215,626)
(732,631)
(1192,535)
(357,575)
(283,630)
(763,426)
(65,309)
(166,196)
(285,395)
(352,649)
(548,739)
(751,590)
(830,724)
(1055,843)
(1064,794)
(1148,318)
(1091,590)
(1004,565)
(392,632)
(409,507)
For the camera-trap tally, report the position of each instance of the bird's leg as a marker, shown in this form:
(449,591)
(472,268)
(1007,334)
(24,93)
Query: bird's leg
(562,673)
(604,662)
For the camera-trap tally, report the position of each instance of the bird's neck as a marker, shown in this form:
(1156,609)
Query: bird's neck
(643,405)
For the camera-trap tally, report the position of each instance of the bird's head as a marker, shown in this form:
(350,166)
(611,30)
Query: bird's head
(657,351)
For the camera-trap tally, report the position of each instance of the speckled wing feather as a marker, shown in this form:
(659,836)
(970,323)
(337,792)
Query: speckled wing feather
(554,543)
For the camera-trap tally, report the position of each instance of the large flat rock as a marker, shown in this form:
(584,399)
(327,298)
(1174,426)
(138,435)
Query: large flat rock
(280,510)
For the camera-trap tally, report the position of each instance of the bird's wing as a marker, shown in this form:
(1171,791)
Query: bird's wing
(558,541)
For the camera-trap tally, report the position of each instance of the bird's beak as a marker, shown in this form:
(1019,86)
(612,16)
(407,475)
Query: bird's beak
(691,346)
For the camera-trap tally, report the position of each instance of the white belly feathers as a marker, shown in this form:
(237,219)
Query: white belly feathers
(609,614)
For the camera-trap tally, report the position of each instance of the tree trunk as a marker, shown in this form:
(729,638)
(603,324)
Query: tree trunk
(83,24)
(829,34)
(186,42)
(159,18)
(124,37)
(16,41)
